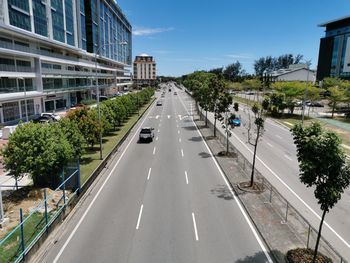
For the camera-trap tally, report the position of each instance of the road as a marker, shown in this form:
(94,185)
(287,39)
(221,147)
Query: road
(277,161)
(156,202)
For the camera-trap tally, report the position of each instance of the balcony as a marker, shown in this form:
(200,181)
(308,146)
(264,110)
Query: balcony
(12,68)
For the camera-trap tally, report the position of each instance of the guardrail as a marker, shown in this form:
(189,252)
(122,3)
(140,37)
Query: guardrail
(289,215)
(16,244)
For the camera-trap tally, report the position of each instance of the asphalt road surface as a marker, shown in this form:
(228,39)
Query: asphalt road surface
(159,202)
(277,161)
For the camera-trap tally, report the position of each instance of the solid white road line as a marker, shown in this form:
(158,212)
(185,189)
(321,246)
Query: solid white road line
(139,219)
(195,226)
(186,177)
(149,174)
(154,150)
(250,224)
(290,159)
(157,138)
(99,191)
(182,153)
(269,144)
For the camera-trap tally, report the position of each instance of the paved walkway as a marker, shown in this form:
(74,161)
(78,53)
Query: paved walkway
(337,123)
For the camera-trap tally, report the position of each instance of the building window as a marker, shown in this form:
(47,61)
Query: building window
(10,111)
(19,14)
(30,108)
(40,19)
(69,22)
(57,20)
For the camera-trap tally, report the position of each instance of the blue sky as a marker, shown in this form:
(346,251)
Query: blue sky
(184,36)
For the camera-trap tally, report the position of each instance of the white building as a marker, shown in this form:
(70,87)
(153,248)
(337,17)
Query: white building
(298,72)
(144,69)
(47,54)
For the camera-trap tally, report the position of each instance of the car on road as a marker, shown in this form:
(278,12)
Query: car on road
(169,90)
(146,134)
(159,103)
(175,93)
(234,120)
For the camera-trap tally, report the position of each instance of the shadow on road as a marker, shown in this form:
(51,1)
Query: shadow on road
(223,192)
(196,139)
(260,257)
(204,155)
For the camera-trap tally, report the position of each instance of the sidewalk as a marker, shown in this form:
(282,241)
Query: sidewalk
(280,225)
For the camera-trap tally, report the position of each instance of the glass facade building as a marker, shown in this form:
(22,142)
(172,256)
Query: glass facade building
(334,54)
(52,47)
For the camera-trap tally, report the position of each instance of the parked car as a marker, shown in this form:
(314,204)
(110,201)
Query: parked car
(146,134)
(314,104)
(46,117)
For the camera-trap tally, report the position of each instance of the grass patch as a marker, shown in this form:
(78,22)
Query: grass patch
(91,159)
(11,248)
(244,101)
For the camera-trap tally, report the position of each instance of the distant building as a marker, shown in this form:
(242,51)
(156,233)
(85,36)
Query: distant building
(296,72)
(334,53)
(144,70)
(47,54)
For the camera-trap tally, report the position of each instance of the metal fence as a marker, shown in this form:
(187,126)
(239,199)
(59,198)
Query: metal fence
(36,223)
(306,233)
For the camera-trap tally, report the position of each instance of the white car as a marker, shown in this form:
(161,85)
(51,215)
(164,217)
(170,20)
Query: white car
(146,134)
(159,103)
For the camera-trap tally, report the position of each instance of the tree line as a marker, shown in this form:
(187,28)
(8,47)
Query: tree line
(43,150)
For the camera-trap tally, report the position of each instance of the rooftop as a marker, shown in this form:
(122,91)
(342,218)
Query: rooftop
(334,21)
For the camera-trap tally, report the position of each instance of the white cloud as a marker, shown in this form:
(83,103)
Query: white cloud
(239,56)
(143,31)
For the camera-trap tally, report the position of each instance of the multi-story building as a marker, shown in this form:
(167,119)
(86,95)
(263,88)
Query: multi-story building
(48,50)
(334,54)
(144,70)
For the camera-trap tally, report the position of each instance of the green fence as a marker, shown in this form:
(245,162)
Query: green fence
(35,224)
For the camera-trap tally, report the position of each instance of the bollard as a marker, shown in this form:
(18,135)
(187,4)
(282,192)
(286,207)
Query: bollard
(46,216)
(285,221)
(22,231)
(308,236)
(271,194)
(64,188)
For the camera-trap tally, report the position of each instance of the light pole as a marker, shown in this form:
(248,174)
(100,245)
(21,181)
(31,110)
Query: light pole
(308,63)
(25,97)
(98,90)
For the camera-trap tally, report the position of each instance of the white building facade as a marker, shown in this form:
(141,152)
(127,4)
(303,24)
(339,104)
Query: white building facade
(144,69)
(48,50)
(294,73)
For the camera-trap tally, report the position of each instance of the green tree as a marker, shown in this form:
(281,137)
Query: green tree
(322,166)
(336,95)
(47,151)
(234,72)
(256,129)
(73,135)
(87,121)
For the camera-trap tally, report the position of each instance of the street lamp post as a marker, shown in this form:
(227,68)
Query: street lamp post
(25,97)
(98,91)
(308,63)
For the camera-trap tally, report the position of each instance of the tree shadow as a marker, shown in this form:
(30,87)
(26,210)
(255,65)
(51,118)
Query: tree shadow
(196,139)
(261,257)
(190,128)
(204,155)
(222,191)
(85,160)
